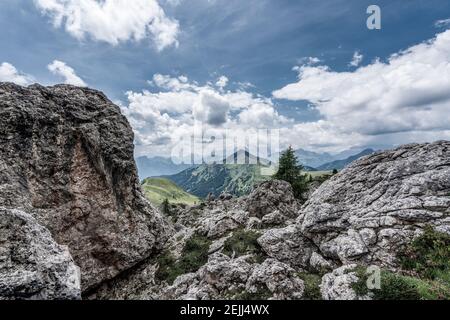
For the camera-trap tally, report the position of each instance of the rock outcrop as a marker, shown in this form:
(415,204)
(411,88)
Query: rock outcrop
(289,246)
(368,211)
(32,265)
(273,201)
(66,158)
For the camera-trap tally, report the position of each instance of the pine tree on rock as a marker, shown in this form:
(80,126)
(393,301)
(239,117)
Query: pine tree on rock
(290,170)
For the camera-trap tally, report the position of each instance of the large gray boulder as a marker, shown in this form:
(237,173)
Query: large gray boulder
(66,157)
(32,264)
(368,211)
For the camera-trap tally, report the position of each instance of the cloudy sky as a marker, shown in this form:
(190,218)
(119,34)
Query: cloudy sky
(309,68)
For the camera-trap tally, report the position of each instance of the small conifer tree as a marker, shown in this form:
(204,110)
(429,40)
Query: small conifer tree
(291,171)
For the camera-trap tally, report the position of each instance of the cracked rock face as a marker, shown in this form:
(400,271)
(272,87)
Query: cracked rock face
(32,264)
(66,157)
(372,208)
(287,245)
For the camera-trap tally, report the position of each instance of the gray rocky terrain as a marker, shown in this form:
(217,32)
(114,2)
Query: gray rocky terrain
(379,203)
(70,197)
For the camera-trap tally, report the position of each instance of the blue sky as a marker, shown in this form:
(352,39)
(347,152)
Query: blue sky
(257,42)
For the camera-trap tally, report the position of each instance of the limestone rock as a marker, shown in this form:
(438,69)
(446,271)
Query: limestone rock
(32,265)
(279,278)
(226,274)
(225,196)
(369,210)
(318,264)
(337,285)
(272,196)
(137,283)
(66,157)
(221,226)
(287,245)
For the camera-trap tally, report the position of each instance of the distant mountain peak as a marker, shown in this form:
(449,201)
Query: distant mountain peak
(247,157)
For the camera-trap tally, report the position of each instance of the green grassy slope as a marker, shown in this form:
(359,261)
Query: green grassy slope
(158,189)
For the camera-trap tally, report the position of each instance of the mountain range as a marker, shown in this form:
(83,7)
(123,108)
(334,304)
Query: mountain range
(323,160)
(218,178)
(158,166)
(311,161)
(341,164)
(230,177)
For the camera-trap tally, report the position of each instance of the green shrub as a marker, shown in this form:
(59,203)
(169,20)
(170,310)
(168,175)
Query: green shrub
(168,269)
(360,287)
(399,287)
(243,242)
(312,282)
(193,256)
(428,256)
(195,253)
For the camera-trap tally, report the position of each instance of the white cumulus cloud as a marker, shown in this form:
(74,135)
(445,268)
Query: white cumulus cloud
(211,108)
(178,106)
(61,69)
(9,73)
(410,92)
(113,21)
